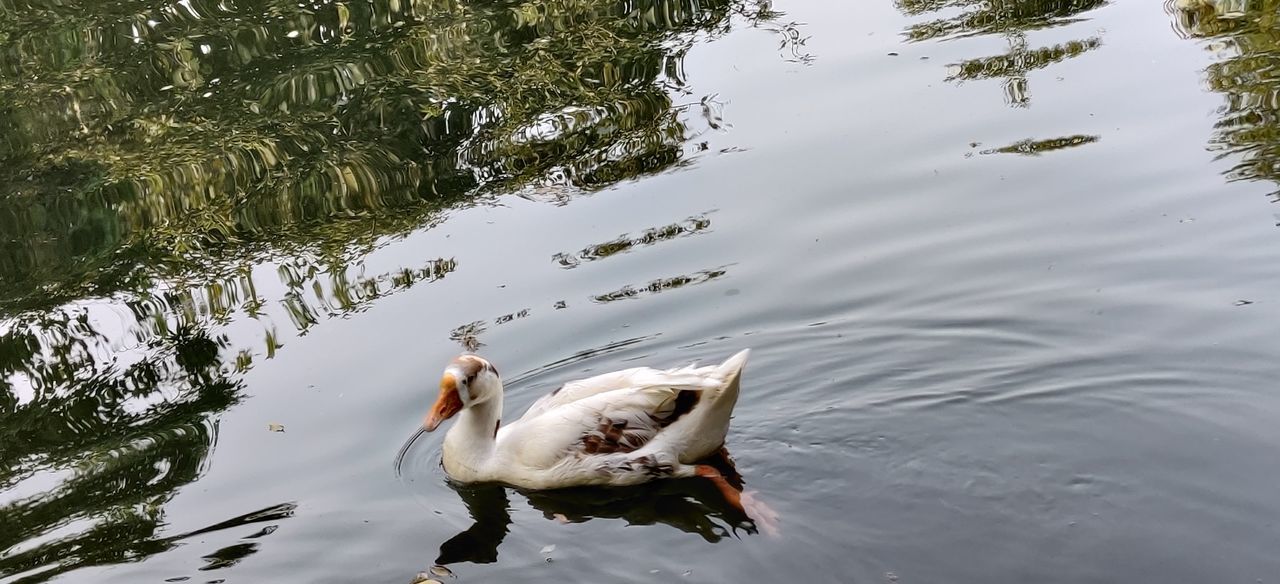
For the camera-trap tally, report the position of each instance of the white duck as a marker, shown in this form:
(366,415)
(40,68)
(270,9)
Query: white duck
(620,428)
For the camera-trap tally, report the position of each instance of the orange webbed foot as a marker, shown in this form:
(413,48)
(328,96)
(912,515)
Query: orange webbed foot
(765,518)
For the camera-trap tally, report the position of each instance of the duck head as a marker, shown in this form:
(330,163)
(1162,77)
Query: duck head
(469,380)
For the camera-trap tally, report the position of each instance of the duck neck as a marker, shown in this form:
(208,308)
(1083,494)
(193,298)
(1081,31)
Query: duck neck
(470,442)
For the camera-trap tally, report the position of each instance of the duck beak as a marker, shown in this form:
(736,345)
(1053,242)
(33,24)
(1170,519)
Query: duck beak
(446,405)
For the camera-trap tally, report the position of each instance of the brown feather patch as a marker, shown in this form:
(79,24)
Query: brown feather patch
(610,436)
(674,409)
(686,400)
(471,366)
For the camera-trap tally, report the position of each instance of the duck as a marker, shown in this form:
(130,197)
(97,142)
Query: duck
(619,428)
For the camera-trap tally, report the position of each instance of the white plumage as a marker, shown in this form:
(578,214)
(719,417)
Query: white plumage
(619,428)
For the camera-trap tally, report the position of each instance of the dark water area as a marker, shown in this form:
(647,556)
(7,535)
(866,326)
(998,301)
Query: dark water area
(1009,271)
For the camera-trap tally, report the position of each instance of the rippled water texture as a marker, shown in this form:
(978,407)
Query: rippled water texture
(1008,268)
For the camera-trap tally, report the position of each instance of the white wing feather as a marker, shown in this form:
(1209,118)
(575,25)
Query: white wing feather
(542,441)
(622,427)
(690,377)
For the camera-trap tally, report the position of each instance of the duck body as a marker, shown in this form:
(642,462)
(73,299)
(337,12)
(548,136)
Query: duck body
(621,428)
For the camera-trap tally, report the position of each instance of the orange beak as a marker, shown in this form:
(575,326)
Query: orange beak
(446,405)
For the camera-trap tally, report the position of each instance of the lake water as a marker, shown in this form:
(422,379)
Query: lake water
(1009,270)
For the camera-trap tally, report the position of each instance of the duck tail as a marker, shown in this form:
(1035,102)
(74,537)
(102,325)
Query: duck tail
(731,372)
(709,421)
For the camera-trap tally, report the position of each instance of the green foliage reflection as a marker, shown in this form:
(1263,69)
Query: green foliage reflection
(157,159)
(1011,19)
(1243,36)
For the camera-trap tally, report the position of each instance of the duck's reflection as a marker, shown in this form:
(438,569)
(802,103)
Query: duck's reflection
(488,506)
(690,505)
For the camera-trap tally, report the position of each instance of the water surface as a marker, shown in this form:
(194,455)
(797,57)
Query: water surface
(1008,270)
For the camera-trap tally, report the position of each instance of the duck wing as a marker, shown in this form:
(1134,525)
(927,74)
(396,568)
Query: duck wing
(622,427)
(618,421)
(690,377)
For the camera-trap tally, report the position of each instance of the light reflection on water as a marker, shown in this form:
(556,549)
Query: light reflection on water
(162,160)
(219,216)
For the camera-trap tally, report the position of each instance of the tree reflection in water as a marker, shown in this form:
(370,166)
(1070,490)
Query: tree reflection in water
(1011,19)
(154,157)
(1242,36)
